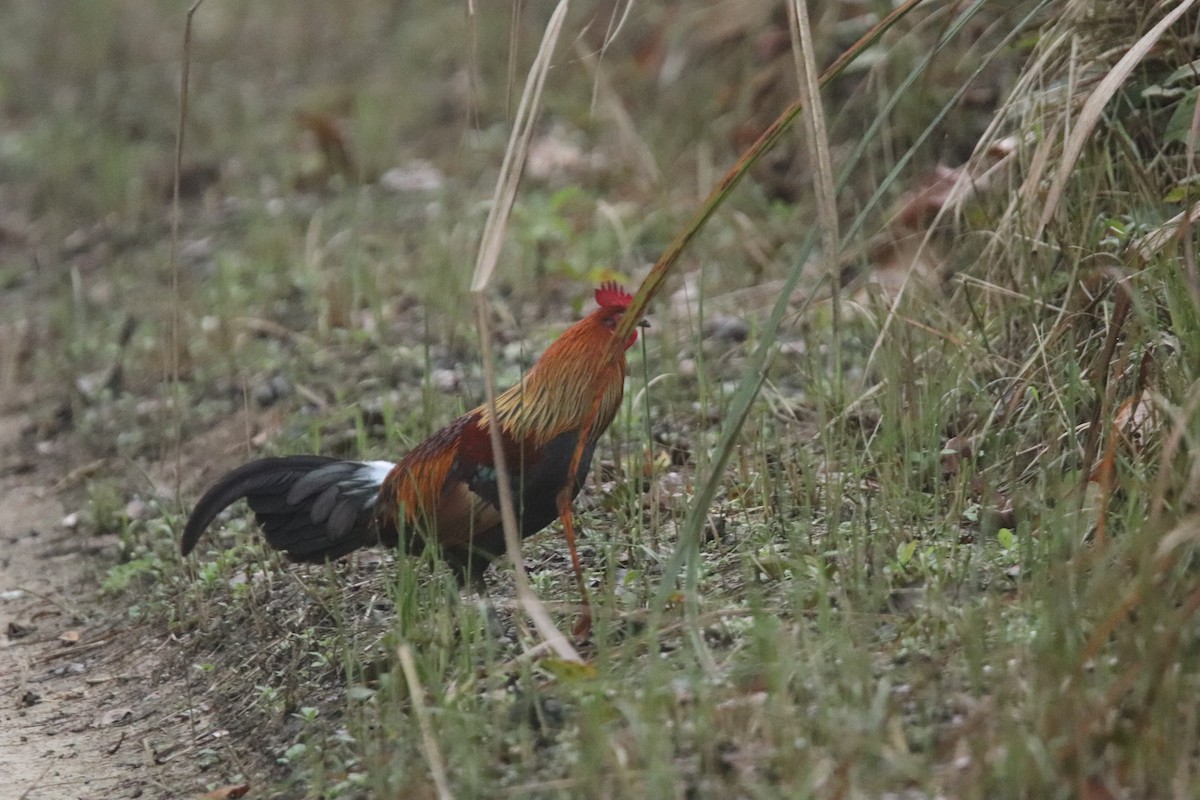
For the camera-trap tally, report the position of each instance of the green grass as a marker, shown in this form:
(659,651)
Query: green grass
(905,585)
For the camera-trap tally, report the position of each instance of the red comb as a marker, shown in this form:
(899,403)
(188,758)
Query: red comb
(611,295)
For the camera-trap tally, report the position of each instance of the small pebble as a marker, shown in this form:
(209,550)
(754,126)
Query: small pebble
(445,380)
(726,328)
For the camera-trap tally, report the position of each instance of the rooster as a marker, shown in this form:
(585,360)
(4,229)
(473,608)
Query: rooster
(444,492)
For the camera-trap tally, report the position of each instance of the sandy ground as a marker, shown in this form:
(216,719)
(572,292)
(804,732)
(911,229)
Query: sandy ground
(88,708)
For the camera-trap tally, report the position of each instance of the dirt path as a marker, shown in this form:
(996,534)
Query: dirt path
(87,709)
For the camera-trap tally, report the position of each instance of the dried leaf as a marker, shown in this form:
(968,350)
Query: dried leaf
(330,142)
(1093,789)
(1188,530)
(227,792)
(1148,246)
(921,206)
(1136,421)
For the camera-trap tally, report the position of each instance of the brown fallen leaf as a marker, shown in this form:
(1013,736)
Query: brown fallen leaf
(227,792)
(332,146)
(1136,421)
(1095,789)
(920,206)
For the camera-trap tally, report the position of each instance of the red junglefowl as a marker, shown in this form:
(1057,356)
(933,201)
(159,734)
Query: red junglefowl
(444,492)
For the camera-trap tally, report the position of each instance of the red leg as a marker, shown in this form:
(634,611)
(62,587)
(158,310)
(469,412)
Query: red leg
(584,626)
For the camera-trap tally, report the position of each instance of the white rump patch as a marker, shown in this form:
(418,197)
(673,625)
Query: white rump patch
(373,473)
(376,471)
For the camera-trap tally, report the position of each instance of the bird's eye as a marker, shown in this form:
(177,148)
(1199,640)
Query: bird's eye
(610,323)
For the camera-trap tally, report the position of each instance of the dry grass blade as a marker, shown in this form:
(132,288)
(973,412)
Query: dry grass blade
(1093,108)
(173,253)
(609,103)
(512,541)
(1170,449)
(485,265)
(818,139)
(1166,553)
(514,154)
(433,755)
(1151,244)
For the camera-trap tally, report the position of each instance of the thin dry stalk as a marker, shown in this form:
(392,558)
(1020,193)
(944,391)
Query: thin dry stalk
(529,601)
(1189,246)
(489,254)
(429,745)
(514,155)
(607,99)
(173,262)
(807,77)
(173,252)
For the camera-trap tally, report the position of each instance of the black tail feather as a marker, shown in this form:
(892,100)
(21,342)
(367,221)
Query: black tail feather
(313,508)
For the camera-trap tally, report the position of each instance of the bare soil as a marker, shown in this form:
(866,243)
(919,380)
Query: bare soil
(88,707)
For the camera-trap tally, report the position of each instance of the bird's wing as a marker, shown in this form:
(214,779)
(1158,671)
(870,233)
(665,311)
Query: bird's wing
(445,487)
(462,514)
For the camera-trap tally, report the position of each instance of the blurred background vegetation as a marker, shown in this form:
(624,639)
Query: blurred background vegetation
(959,564)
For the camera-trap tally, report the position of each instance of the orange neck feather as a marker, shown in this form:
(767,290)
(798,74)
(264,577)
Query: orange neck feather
(560,392)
